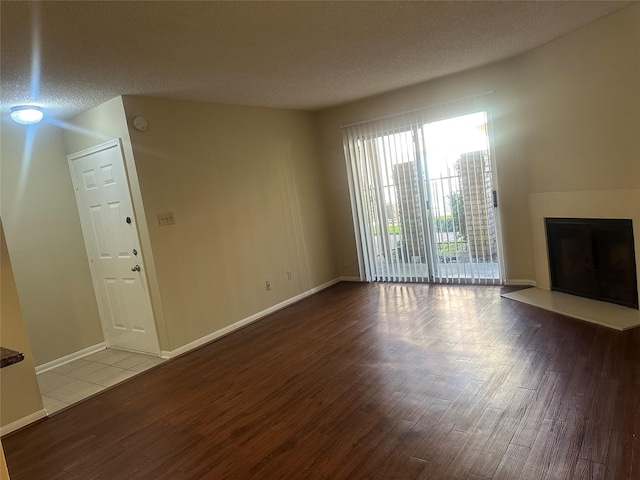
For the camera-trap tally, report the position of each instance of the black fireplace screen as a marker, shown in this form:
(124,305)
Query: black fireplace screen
(593,258)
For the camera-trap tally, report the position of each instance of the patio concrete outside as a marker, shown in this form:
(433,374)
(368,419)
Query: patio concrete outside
(446,272)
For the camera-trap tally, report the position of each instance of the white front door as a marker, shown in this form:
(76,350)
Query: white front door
(113,246)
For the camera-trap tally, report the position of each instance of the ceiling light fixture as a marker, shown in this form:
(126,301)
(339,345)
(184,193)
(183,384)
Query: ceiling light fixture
(26,114)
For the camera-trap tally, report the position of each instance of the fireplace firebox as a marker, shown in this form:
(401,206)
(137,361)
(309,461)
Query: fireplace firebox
(593,258)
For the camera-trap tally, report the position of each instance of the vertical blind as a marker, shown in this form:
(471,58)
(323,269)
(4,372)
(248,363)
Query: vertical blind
(423,192)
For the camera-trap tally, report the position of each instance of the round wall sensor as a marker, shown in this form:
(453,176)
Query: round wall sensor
(140,124)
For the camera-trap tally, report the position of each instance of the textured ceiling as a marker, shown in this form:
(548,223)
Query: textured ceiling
(70,56)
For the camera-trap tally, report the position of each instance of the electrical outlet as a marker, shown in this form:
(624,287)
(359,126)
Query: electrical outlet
(166,219)
(268,284)
(289,274)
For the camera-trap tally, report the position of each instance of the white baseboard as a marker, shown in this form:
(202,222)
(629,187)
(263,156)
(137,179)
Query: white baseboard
(45,367)
(23,422)
(244,322)
(520,282)
(349,279)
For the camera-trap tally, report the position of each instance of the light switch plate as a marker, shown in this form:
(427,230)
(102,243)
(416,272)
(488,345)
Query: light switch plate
(166,219)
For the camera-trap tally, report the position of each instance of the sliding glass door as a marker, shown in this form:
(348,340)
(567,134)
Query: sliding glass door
(424,199)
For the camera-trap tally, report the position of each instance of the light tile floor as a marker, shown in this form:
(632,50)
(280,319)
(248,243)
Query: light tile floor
(77,380)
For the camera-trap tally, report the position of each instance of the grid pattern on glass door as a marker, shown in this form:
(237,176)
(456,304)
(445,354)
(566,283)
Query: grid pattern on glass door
(423,195)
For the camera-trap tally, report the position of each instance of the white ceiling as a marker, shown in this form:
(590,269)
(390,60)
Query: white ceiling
(300,55)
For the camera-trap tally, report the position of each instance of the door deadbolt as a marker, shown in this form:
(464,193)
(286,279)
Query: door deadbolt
(135,252)
(135,268)
(128,220)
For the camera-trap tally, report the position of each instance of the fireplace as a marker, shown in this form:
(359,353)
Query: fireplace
(593,258)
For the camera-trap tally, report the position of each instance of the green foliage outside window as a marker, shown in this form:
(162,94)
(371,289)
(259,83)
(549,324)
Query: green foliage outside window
(457,212)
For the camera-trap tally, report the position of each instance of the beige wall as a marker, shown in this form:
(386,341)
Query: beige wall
(244,186)
(19,392)
(583,96)
(45,240)
(566,117)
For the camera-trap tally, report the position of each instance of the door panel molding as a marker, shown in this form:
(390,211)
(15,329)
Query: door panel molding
(110,231)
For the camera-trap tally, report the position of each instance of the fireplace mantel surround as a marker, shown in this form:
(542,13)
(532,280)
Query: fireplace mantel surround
(617,203)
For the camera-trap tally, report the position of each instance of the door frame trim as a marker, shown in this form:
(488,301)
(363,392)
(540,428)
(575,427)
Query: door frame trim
(117,143)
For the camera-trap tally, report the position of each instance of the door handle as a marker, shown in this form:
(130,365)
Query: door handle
(135,268)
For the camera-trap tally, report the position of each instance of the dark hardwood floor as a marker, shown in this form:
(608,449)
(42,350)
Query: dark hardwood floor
(363,382)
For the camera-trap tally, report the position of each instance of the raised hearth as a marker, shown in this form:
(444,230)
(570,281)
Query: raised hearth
(593,311)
